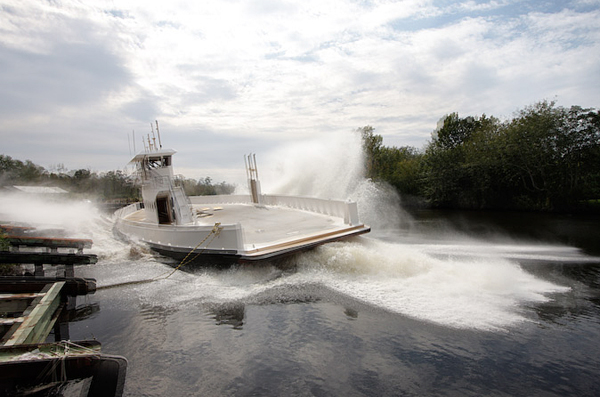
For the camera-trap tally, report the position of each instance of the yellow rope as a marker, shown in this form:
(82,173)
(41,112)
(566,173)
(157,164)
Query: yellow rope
(216,230)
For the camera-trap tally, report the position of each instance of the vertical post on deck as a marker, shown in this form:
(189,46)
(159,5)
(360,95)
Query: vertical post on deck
(252,174)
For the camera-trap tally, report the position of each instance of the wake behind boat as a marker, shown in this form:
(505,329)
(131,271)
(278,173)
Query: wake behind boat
(228,228)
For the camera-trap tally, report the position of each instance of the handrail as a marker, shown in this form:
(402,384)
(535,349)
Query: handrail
(341,209)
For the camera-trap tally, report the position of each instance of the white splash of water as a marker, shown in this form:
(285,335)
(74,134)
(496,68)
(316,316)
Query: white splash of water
(329,167)
(488,294)
(46,213)
(464,293)
(71,218)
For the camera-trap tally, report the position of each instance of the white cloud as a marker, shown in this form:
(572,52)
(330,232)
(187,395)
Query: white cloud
(224,76)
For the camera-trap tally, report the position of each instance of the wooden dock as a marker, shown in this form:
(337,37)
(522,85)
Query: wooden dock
(34,304)
(30,307)
(37,320)
(31,304)
(26,247)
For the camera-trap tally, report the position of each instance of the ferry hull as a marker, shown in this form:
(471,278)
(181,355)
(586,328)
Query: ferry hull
(208,257)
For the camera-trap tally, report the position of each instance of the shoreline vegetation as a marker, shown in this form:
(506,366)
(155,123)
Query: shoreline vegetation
(112,187)
(546,158)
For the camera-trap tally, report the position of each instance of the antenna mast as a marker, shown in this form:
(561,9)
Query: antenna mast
(154,140)
(153,145)
(158,133)
(253,182)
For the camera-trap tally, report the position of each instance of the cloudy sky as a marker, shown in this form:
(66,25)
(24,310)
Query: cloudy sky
(229,77)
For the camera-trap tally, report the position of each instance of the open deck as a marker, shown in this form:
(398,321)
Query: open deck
(289,224)
(266,225)
(262,225)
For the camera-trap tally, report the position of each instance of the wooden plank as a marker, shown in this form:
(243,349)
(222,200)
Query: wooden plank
(47,258)
(44,328)
(13,306)
(11,321)
(16,230)
(28,284)
(55,365)
(15,303)
(50,242)
(25,295)
(40,320)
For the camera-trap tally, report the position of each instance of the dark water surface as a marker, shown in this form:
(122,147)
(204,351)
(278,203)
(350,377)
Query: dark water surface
(452,304)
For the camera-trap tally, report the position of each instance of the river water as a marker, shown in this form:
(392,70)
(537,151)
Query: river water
(437,304)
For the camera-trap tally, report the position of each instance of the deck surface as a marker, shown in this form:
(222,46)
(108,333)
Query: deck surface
(263,225)
(267,225)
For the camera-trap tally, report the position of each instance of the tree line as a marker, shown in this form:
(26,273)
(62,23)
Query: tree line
(545,158)
(106,186)
(203,186)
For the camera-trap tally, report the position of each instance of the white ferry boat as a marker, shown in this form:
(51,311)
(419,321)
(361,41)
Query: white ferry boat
(228,228)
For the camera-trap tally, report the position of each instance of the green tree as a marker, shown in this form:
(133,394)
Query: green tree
(398,167)
(455,131)
(15,171)
(203,186)
(448,179)
(578,151)
(483,164)
(372,145)
(546,157)
(116,185)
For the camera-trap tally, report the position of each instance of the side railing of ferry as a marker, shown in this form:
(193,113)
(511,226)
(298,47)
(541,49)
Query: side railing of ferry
(336,208)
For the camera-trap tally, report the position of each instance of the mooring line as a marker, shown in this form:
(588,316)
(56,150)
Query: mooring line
(125,283)
(216,230)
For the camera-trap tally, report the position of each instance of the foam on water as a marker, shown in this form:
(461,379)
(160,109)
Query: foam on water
(462,293)
(473,293)
(67,217)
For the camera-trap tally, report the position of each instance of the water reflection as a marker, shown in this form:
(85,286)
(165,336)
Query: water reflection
(83,312)
(229,314)
(155,313)
(351,313)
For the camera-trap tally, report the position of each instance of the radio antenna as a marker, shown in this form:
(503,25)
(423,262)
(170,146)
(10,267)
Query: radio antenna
(153,139)
(158,133)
